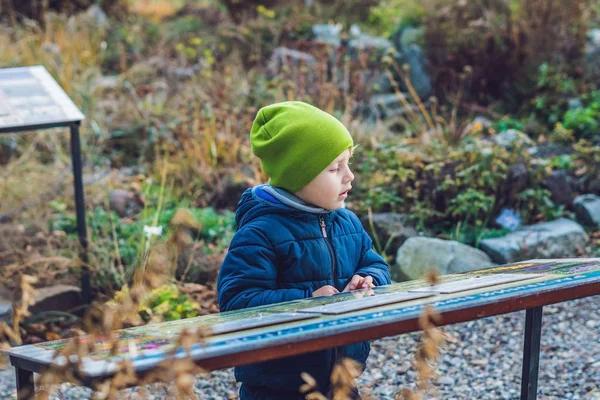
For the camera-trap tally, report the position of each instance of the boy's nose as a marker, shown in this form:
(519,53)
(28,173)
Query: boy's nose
(349,176)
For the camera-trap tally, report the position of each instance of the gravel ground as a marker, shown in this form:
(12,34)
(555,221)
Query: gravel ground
(483,361)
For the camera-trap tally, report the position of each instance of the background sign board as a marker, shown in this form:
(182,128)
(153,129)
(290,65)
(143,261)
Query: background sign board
(31,98)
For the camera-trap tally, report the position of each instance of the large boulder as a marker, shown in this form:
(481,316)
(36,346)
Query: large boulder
(587,209)
(556,239)
(419,254)
(392,229)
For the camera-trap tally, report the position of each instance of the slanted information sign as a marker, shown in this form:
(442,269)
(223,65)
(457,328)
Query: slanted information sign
(31,99)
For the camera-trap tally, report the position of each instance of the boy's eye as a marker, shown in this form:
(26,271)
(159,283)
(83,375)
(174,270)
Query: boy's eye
(336,169)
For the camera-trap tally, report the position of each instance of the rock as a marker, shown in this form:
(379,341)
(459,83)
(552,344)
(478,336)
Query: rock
(327,34)
(478,124)
(8,148)
(517,178)
(227,194)
(390,225)
(355,30)
(592,52)
(97,15)
(418,76)
(6,310)
(594,186)
(509,219)
(511,138)
(127,144)
(106,83)
(193,265)
(367,42)
(556,239)
(181,73)
(446,381)
(283,56)
(125,203)
(51,48)
(57,298)
(587,209)
(575,103)
(404,38)
(382,107)
(418,254)
(558,183)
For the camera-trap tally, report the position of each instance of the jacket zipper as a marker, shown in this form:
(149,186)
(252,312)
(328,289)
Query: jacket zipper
(333,268)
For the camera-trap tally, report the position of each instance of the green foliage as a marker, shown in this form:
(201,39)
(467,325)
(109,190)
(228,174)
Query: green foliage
(168,303)
(165,303)
(479,34)
(536,204)
(504,42)
(472,206)
(553,90)
(587,158)
(507,123)
(462,186)
(562,162)
(114,242)
(390,15)
(473,235)
(585,121)
(125,43)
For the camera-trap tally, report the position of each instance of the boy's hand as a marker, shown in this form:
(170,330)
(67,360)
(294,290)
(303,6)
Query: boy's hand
(359,282)
(326,290)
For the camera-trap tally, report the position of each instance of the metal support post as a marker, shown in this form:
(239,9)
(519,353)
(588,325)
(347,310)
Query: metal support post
(531,353)
(80,212)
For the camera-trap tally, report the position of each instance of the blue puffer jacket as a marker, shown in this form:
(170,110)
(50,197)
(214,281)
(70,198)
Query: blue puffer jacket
(280,253)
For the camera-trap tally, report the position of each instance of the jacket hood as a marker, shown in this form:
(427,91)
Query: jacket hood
(267,199)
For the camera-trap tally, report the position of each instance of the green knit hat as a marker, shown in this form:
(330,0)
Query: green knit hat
(296,141)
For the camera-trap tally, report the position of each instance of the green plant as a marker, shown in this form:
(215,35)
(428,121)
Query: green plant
(561,162)
(536,204)
(472,235)
(165,303)
(507,123)
(389,16)
(584,121)
(552,90)
(118,248)
(586,158)
(472,206)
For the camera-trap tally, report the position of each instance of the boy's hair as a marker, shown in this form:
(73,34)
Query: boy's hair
(296,141)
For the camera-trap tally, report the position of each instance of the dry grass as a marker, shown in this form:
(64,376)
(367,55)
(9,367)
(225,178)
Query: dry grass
(155,10)
(428,351)
(102,321)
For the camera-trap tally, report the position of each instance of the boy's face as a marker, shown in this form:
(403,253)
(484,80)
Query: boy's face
(330,188)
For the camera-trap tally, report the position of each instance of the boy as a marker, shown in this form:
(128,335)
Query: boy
(295,240)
